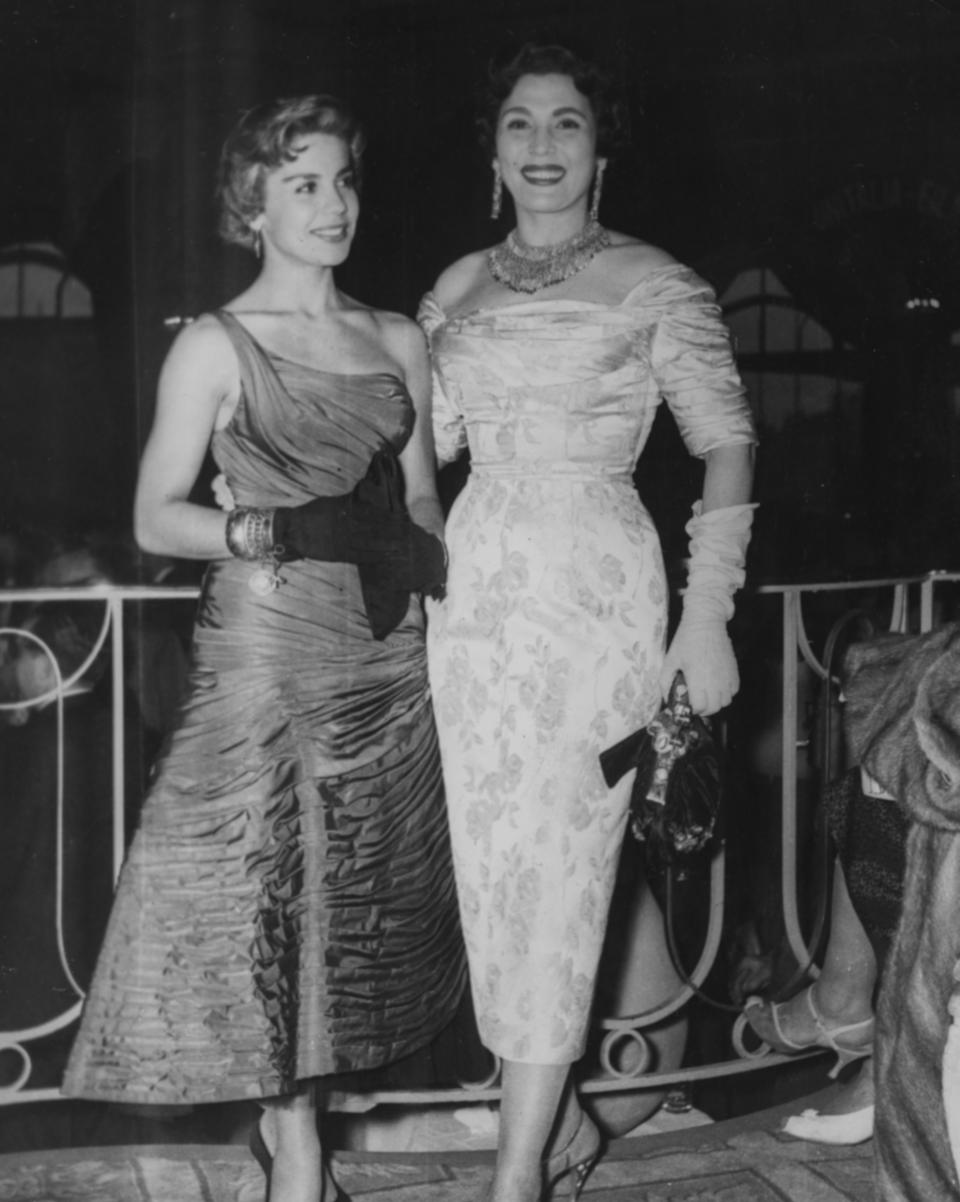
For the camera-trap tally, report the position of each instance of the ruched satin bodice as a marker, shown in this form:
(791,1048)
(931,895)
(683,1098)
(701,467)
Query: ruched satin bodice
(570,387)
(287,908)
(310,432)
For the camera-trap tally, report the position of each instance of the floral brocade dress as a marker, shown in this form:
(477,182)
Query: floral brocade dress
(287,908)
(549,643)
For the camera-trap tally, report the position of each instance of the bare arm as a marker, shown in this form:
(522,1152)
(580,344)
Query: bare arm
(728,479)
(417,458)
(199,383)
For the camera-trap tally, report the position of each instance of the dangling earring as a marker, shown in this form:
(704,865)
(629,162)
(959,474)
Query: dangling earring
(497,201)
(597,189)
(257,242)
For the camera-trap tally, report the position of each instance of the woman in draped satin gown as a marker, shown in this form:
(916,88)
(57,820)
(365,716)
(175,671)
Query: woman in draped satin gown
(551,353)
(287,908)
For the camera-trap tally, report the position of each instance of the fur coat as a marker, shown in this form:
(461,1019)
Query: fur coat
(902,719)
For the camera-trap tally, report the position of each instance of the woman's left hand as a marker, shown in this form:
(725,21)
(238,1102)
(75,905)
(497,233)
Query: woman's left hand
(221,492)
(702,651)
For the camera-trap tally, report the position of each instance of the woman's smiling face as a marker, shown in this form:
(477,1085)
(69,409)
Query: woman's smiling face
(547,144)
(310,203)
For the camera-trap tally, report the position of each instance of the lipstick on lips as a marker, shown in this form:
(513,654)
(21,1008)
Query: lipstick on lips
(543,175)
(331,233)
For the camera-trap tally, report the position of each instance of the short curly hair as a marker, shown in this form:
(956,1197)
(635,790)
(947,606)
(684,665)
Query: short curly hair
(265,137)
(590,80)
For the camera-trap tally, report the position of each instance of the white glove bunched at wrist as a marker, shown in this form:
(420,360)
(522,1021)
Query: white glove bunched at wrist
(701,648)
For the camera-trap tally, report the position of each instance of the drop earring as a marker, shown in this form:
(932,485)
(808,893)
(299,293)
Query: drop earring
(257,242)
(597,189)
(497,200)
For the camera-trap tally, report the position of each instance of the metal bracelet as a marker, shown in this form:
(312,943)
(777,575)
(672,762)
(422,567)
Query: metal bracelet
(234,533)
(249,533)
(259,533)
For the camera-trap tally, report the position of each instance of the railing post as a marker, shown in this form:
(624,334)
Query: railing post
(926,602)
(119,724)
(788,777)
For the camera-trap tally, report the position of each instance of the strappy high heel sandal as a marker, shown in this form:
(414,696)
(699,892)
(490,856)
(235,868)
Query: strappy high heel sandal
(850,1041)
(575,1161)
(264,1158)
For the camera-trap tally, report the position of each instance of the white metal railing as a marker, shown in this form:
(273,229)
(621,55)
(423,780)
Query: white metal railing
(912,601)
(113,598)
(903,617)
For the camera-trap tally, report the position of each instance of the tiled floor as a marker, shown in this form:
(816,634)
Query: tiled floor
(736,1161)
(445,1155)
(91,1152)
(463,1128)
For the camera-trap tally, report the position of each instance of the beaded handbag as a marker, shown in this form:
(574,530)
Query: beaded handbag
(675,802)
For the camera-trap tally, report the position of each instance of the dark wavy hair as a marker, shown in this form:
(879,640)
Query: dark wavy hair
(264,138)
(590,80)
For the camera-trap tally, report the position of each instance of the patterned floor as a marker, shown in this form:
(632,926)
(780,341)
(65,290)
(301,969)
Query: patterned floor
(743,1160)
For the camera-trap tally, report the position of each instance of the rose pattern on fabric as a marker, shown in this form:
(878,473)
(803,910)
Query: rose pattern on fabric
(549,643)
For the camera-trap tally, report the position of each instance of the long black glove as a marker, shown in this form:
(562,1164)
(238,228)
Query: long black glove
(370,528)
(334,529)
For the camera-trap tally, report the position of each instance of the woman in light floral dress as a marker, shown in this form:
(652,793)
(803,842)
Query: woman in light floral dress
(551,353)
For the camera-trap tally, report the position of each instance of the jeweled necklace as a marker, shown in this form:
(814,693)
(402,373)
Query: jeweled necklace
(524,268)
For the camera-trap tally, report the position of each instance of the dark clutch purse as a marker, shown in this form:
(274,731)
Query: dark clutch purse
(675,803)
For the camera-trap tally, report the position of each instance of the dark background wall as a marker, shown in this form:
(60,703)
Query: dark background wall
(819,137)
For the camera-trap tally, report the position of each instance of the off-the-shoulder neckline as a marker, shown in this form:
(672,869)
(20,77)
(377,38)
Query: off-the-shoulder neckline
(557,300)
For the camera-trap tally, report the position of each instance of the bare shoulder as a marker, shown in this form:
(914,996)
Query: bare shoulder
(459,279)
(400,338)
(199,383)
(629,260)
(202,332)
(203,345)
(392,331)
(398,332)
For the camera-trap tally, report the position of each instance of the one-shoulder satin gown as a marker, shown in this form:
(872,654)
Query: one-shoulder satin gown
(287,907)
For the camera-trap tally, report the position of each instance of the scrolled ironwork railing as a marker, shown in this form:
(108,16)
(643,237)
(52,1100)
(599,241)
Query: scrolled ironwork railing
(907,603)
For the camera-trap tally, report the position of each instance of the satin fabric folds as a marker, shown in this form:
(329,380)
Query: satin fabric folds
(287,907)
(549,644)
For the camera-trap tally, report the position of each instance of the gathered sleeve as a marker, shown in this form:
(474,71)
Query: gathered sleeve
(693,365)
(449,428)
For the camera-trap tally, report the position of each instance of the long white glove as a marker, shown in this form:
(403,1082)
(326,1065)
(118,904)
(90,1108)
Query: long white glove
(701,648)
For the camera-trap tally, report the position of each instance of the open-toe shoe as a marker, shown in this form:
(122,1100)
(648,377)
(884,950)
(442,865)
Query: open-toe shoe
(850,1041)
